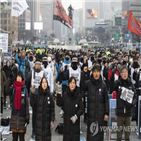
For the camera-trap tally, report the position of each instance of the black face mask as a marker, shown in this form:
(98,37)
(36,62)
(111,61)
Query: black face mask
(45,63)
(67,58)
(30,58)
(81,60)
(37,70)
(124,62)
(74,65)
(19,57)
(104,62)
(92,58)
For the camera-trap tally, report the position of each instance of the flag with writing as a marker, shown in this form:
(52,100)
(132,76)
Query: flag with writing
(134,25)
(18,7)
(61,15)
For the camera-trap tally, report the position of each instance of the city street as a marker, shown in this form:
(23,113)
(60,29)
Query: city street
(55,135)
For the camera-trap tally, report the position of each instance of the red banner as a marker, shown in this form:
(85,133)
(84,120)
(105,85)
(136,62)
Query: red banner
(134,25)
(60,14)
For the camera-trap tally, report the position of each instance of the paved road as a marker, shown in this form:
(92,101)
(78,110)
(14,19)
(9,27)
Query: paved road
(56,136)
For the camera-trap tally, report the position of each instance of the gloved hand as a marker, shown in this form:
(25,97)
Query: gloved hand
(51,125)
(26,122)
(74,118)
(58,88)
(32,89)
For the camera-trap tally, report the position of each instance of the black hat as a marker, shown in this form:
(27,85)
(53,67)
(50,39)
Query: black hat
(85,65)
(37,62)
(67,53)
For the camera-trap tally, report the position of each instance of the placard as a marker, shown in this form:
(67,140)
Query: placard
(7,56)
(4,42)
(127,95)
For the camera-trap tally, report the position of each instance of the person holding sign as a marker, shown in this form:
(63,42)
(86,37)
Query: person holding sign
(124,89)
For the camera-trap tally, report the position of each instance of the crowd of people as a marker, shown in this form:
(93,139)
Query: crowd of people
(39,77)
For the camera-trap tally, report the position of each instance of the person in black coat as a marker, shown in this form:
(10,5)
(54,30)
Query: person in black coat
(85,75)
(73,109)
(123,108)
(8,72)
(45,111)
(98,105)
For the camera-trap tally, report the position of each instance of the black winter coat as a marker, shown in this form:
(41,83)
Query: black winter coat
(84,77)
(72,103)
(8,71)
(98,107)
(121,104)
(45,113)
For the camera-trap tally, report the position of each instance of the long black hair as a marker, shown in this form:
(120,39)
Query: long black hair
(46,81)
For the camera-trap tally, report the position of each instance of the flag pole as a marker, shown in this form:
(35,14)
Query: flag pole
(11,25)
(53,24)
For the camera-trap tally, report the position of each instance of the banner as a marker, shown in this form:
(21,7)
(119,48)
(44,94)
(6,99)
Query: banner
(7,56)
(18,7)
(4,42)
(60,14)
(134,25)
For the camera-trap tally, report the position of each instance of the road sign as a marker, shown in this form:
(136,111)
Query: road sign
(127,36)
(117,36)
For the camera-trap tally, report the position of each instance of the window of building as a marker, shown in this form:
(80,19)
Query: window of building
(8,21)
(5,28)
(5,21)
(5,14)
(1,15)
(9,28)
(20,20)
(20,24)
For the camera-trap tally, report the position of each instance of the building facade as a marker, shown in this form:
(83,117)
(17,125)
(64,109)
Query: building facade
(22,32)
(9,23)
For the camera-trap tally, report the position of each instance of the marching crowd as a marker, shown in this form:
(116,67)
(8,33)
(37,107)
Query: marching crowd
(43,77)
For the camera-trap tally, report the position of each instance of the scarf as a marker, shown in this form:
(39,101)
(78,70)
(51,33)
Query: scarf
(18,98)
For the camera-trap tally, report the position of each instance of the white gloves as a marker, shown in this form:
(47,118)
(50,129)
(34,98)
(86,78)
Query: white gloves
(74,118)
(58,88)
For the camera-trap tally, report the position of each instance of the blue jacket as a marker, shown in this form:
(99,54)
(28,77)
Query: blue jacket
(22,64)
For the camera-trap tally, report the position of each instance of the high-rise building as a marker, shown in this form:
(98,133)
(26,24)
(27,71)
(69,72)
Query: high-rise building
(9,23)
(46,9)
(135,7)
(34,8)
(22,32)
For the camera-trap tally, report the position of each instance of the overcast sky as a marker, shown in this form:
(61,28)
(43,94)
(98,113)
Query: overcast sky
(76,4)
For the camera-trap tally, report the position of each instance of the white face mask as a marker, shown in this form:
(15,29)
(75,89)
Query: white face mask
(49,59)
